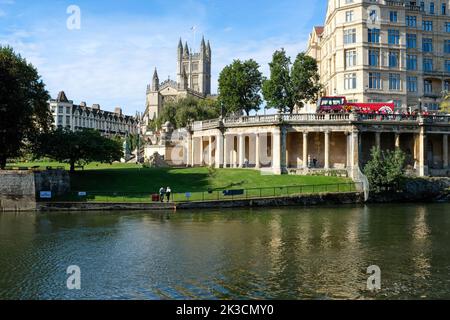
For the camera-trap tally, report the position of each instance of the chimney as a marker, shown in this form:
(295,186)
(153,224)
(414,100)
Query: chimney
(118,111)
(83,104)
(96,106)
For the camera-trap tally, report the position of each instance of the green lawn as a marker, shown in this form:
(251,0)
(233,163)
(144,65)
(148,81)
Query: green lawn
(128,182)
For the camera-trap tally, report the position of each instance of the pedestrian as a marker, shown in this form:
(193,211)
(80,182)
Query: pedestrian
(168,193)
(162,193)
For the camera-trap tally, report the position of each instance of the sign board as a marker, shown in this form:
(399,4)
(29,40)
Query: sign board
(188,195)
(233,192)
(45,194)
(82,194)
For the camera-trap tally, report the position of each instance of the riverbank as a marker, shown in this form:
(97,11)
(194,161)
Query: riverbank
(294,200)
(424,190)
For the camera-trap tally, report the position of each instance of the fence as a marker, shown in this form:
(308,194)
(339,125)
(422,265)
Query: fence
(213,195)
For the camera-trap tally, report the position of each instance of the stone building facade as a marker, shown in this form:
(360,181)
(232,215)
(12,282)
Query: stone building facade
(66,114)
(193,79)
(385,50)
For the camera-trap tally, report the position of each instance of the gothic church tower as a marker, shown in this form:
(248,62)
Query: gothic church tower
(197,67)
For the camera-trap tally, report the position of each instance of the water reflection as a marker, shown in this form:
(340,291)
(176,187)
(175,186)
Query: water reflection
(295,253)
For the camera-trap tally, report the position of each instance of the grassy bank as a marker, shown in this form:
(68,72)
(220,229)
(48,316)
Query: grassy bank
(129,182)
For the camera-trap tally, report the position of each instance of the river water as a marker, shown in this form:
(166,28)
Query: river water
(289,253)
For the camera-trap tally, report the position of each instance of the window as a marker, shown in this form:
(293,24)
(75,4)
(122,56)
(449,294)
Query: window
(447,27)
(67,121)
(412,84)
(67,110)
(411,41)
(427,45)
(427,86)
(374,80)
(350,81)
(432,8)
(60,120)
(447,85)
(394,81)
(60,109)
(349,16)
(349,36)
(411,62)
(350,58)
(443,9)
(374,36)
(447,65)
(422,6)
(447,46)
(393,59)
(348,1)
(411,21)
(393,16)
(427,64)
(374,58)
(427,25)
(393,36)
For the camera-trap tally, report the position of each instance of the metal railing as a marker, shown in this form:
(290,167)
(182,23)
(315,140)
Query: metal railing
(211,195)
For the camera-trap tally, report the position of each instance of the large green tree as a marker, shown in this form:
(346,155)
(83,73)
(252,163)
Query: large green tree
(183,111)
(24,108)
(240,86)
(80,147)
(445,104)
(291,85)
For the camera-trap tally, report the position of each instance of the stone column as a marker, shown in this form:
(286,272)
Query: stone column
(283,144)
(192,154)
(354,155)
(276,151)
(257,152)
(219,150)
(189,150)
(225,151)
(397,140)
(305,150)
(210,151)
(378,139)
(202,151)
(423,167)
(241,152)
(445,150)
(327,150)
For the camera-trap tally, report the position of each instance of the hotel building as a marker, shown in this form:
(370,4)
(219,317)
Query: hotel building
(378,50)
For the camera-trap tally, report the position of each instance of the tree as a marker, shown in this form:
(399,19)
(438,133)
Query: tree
(385,169)
(24,108)
(183,111)
(240,86)
(305,80)
(445,104)
(80,147)
(291,86)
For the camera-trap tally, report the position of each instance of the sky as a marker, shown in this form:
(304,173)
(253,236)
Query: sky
(111,57)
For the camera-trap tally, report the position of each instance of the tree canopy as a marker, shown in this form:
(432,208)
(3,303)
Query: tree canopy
(80,147)
(445,104)
(239,87)
(291,85)
(24,108)
(183,111)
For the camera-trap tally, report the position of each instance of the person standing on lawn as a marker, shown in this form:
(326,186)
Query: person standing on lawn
(162,193)
(168,193)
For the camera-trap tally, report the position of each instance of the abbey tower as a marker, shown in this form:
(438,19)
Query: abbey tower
(193,79)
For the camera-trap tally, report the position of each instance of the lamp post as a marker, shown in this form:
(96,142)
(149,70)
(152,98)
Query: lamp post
(420,105)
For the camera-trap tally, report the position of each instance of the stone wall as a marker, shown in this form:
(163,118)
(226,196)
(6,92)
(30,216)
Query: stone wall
(20,189)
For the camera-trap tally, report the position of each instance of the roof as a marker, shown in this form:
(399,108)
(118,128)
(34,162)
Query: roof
(62,97)
(319,30)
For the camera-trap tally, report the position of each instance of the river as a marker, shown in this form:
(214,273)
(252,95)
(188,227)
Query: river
(281,253)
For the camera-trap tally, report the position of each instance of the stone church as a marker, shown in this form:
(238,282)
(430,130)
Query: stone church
(193,79)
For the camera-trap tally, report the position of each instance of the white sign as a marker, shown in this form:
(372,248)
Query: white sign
(46,194)
(82,194)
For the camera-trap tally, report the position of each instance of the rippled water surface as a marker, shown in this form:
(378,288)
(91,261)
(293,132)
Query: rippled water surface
(294,253)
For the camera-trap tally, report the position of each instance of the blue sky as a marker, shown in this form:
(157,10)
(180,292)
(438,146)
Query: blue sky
(111,59)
